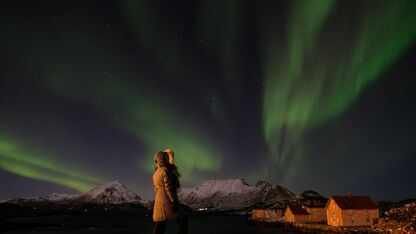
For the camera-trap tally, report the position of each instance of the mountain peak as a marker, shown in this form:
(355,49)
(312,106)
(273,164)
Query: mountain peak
(112,192)
(114,183)
(262,183)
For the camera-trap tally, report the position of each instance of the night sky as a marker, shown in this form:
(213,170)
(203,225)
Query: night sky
(305,94)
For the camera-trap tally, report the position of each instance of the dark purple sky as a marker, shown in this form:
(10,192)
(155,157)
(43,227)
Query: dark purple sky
(306,94)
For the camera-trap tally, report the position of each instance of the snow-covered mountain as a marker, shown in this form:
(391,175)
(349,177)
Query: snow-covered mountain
(108,199)
(113,192)
(211,195)
(232,194)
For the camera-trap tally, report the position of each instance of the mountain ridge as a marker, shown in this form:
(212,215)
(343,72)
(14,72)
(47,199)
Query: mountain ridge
(210,195)
(232,194)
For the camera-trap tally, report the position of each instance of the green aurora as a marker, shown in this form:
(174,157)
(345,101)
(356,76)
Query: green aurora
(144,113)
(16,160)
(307,84)
(312,70)
(152,119)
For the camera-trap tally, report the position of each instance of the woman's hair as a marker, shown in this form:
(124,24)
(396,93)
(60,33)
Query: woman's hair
(161,156)
(174,169)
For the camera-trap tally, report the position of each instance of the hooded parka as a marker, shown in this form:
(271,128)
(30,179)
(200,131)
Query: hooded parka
(165,190)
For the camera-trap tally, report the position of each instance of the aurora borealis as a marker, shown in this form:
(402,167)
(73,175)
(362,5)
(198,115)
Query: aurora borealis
(306,94)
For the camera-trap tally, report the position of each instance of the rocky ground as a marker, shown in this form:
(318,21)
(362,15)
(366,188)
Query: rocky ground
(400,219)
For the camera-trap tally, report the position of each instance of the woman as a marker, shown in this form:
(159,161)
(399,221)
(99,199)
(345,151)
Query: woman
(166,200)
(165,193)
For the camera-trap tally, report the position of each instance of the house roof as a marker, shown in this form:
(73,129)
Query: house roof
(355,202)
(298,210)
(315,205)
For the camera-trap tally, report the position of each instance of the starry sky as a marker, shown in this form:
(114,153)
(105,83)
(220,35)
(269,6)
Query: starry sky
(307,94)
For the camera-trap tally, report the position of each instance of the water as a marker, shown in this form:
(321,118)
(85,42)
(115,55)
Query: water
(90,225)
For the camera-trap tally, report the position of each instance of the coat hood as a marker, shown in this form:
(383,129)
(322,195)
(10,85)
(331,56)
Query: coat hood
(161,159)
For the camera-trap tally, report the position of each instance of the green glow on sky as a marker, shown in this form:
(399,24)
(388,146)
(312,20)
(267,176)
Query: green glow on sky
(283,114)
(309,82)
(154,121)
(192,150)
(308,72)
(147,114)
(17,161)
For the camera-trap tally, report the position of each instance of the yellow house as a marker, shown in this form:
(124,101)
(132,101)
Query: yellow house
(351,211)
(317,213)
(296,214)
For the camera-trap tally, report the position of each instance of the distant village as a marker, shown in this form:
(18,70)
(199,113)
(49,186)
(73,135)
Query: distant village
(338,211)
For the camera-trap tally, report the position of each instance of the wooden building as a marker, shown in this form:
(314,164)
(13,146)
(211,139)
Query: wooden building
(317,213)
(296,214)
(351,211)
(267,215)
